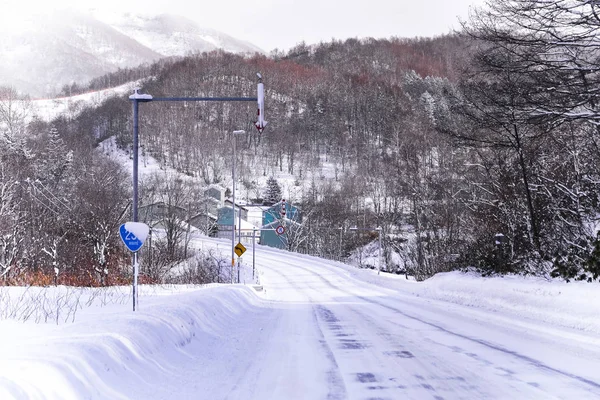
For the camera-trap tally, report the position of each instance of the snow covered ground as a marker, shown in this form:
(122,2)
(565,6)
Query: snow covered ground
(574,305)
(48,109)
(317,330)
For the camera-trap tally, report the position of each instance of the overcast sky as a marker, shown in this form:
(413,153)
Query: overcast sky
(281,24)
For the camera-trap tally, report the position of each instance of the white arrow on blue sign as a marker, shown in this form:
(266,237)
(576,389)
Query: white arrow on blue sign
(133,234)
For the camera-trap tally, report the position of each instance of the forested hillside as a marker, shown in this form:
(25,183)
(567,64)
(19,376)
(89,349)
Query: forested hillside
(478,149)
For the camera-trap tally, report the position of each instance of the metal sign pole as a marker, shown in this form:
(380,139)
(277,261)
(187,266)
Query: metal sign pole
(233,215)
(136,98)
(135,190)
(135,159)
(253,253)
(135,280)
(239,241)
(239,212)
(134,234)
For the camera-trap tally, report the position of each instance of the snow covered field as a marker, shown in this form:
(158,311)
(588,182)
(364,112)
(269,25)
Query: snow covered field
(317,330)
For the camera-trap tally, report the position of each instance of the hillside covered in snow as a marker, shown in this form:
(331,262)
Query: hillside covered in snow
(46,52)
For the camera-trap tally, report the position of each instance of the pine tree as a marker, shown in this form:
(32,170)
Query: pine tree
(273,192)
(58,157)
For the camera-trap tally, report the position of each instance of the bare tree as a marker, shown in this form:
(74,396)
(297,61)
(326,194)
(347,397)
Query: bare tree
(14,111)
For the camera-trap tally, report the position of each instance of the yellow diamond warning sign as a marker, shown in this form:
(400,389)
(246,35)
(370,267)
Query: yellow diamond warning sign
(239,249)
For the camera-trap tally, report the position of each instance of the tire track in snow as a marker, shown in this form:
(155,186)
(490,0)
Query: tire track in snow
(337,388)
(380,379)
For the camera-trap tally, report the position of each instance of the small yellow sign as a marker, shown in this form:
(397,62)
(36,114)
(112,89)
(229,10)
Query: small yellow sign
(239,249)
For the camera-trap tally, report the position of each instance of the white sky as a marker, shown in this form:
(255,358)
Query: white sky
(281,24)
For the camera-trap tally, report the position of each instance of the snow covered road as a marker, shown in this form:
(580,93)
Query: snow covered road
(315,332)
(388,345)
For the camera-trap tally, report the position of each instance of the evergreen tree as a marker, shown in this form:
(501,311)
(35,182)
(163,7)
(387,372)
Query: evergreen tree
(57,157)
(273,192)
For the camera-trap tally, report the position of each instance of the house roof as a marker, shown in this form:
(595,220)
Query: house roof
(244,203)
(257,209)
(160,203)
(261,206)
(204,214)
(215,186)
(245,225)
(239,204)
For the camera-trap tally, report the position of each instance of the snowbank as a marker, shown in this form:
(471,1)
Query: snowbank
(85,359)
(574,305)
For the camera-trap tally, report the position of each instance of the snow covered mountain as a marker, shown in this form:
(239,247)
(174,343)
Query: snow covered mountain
(50,50)
(172,35)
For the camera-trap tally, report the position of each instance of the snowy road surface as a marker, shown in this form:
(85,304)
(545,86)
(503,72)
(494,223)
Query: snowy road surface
(381,344)
(315,333)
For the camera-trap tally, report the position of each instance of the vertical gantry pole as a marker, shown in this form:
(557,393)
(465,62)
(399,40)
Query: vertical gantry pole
(239,212)
(135,159)
(233,214)
(253,252)
(239,241)
(135,192)
(136,98)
